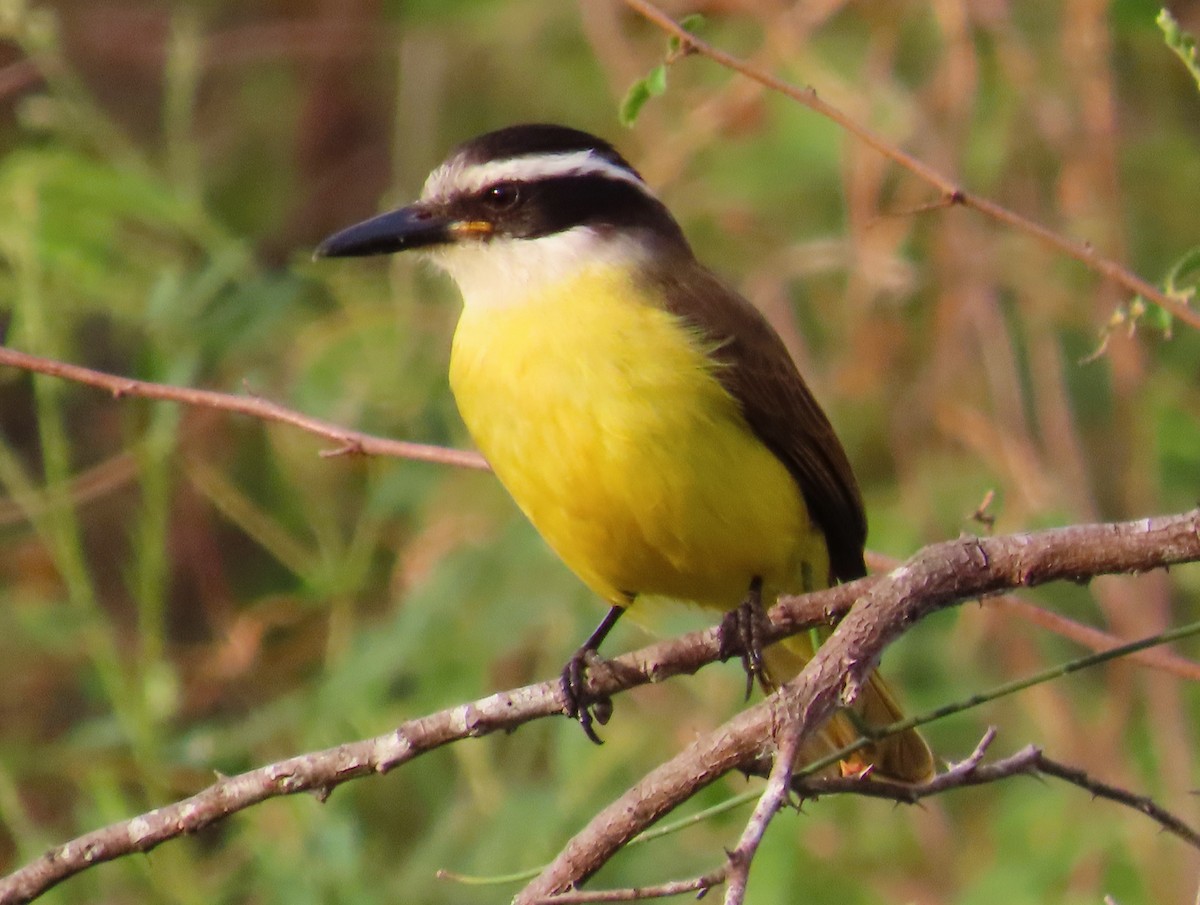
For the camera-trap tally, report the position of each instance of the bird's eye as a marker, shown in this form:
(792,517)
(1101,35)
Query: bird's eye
(502,196)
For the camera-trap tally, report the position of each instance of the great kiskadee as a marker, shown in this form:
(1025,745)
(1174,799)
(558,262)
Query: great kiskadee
(644,416)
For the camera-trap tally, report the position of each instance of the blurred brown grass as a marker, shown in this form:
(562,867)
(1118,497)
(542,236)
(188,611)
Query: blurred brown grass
(182,591)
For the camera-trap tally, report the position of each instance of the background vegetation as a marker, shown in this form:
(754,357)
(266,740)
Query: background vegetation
(183,591)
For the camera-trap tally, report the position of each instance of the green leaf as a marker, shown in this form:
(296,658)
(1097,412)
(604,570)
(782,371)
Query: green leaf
(652,85)
(656,81)
(631,105)
(1181,42)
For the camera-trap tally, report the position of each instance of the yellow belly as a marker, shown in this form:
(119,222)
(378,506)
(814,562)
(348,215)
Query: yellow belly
(601,415)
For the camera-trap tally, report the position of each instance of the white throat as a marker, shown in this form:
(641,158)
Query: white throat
(504,272)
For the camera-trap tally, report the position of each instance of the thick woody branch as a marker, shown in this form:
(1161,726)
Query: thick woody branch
(972,771)
(936,577)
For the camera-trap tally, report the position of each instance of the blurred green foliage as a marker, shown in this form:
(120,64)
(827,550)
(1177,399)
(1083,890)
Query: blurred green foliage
(183,591)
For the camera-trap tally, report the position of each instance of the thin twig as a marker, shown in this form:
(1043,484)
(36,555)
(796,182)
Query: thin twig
(347,441)
(1141,803)
(951,191)
(699,885)
(958,774)
(773,798)
(972,771)
(1030,761)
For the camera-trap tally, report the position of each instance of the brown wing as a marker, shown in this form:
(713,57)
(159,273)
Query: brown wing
(760,374)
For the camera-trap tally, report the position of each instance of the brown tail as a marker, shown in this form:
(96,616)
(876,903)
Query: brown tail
(904,757)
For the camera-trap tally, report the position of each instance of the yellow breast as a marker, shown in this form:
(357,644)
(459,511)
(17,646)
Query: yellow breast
(600,413)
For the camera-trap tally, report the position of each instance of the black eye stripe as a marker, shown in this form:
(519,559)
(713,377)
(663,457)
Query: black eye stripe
(527,209)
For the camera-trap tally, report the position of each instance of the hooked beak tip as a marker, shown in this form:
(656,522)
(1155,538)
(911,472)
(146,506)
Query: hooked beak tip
(399,230)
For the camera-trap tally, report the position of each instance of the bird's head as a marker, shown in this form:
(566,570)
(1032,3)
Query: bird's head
(516,209)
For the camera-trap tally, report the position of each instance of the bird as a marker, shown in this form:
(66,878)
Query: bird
(645,417)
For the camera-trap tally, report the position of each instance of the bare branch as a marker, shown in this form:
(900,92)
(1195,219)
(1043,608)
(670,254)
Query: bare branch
(959,774)
(773,798)
(698,885)
(347,441)
(936,577)
(1141,803)
(939,575)
(1088,636)
(951,192)
(1029,761)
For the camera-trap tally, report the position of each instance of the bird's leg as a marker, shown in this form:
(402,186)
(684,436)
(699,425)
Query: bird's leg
(579,704)
(741,634)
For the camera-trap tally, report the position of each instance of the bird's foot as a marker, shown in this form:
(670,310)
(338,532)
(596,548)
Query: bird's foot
(579,703)
(741,635)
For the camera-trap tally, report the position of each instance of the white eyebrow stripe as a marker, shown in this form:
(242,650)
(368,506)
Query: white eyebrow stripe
(457,178)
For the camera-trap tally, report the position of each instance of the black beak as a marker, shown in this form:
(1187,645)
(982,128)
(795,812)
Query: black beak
(410,227)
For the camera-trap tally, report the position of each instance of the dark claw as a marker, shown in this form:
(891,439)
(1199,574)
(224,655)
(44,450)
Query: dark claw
(741,632)
(579,705)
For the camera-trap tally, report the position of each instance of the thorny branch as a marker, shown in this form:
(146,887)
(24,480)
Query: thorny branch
(772,800)
(1029,761)
(937,577)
